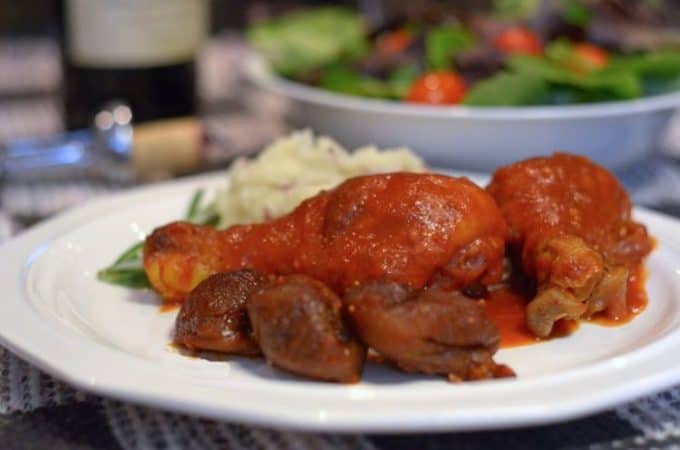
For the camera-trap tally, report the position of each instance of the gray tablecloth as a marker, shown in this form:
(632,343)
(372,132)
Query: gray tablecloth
(39,412)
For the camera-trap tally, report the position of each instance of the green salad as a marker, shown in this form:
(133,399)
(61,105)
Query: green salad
(506,57)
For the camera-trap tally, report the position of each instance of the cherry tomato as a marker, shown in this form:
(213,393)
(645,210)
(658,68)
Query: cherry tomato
(438,88)
(587,57)
(518,40)
(394,42)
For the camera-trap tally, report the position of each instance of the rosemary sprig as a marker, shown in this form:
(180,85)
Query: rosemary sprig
(128,269)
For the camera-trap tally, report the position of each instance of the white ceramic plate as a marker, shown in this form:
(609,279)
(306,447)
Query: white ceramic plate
(115,342)
(611,133)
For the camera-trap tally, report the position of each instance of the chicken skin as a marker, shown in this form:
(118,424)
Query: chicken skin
(413,229)
(570,226)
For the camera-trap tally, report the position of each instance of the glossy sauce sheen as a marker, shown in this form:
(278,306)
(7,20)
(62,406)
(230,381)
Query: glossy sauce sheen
(413,229)
(392,227)
(506,308)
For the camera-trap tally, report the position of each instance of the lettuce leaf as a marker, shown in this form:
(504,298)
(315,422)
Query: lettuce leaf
(516,9)
(576,13)
(602,85)
(345,80)
(402,78)
(657,64)
(445,42)
(305,40)
(508,89)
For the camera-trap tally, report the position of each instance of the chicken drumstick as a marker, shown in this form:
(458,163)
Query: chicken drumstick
(414,229)
(571,227)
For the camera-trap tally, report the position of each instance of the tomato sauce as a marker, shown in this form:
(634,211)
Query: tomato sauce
(636,299)
(169,306)
(402,227)
(506,307)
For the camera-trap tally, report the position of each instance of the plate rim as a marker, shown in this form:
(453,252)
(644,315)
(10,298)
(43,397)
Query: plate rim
(42,235)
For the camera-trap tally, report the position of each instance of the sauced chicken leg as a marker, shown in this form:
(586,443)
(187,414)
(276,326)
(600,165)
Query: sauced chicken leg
(429,331)
(413,229)
(571,227)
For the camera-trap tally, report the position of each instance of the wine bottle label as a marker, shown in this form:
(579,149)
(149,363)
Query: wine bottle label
(134,33)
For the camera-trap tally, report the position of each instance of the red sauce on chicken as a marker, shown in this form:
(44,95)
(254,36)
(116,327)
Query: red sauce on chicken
(414,229)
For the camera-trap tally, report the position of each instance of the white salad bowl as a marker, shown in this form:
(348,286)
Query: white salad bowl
(483,138)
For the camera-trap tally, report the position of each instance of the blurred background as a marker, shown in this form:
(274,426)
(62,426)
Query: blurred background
(70,65)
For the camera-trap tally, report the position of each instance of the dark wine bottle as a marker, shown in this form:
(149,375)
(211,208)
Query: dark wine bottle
(142,52)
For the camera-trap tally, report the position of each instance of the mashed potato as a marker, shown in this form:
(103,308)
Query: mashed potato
(297,167)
